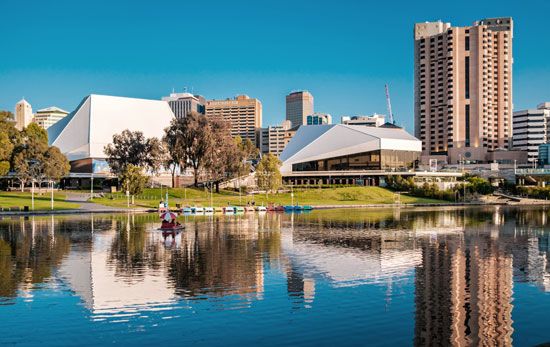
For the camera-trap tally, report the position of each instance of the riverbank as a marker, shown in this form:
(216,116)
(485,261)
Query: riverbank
(346,196)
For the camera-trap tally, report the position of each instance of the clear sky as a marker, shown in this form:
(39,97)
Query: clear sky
(57,52)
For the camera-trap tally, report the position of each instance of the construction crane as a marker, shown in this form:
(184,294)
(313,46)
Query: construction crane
(388,101)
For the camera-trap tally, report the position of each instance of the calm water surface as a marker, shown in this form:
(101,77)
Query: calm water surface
(341,277)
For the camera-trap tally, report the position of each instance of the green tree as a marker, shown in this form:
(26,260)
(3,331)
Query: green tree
(133,148)
(29,154)
(56,165)
(268,176)
(133,180)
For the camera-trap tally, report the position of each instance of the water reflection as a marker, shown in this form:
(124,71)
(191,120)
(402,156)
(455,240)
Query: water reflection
(462,263)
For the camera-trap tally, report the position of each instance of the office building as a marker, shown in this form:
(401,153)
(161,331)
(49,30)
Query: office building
(184,103)
(23,114)
(47,117)
(274,138)
(544,155)
(463,88)
(243,113)
(531,130)
(84,133)
(318,119)
(374,120)
(298,106)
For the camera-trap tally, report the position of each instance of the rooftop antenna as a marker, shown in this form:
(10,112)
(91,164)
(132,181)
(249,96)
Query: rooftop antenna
(185,89)
(390,113)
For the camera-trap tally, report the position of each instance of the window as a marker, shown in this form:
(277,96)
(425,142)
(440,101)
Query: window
(467,43)
(467,125)
(467,77)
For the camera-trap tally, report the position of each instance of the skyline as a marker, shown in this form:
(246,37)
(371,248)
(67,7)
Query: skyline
(119,49)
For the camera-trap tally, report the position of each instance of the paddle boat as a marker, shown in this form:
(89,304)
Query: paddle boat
(187,210)
(169,222)
(209,210)
(218,209)
(261,208)
(308,207)
(198,210)
(239,209)
(229,210)
(249,208)
(288,208)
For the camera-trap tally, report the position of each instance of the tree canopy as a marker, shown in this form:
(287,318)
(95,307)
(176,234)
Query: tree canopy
(268,175)
(133,148)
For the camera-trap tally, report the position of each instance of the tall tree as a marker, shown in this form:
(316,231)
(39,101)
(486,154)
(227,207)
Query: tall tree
(222,158)
(173,141)
(9,137)
(268,176)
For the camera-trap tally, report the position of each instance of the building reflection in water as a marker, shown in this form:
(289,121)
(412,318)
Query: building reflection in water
(462,262)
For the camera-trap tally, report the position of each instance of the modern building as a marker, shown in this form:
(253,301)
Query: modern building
(463,88)
(84,133)
(47,117)
(374,120)
(544,155)
(184,103)
(318,119)
(348,153)
(531,130)
(243,113)
(273,139)
(298,106)
(23,114)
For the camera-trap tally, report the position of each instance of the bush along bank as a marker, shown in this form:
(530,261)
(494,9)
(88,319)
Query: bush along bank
(470,188)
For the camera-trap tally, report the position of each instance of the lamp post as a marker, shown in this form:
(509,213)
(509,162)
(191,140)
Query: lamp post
(92,187)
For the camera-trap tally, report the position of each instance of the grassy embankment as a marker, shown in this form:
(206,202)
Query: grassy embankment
(327,196)
(41,202)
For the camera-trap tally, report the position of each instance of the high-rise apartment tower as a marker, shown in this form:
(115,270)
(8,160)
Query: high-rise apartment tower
(463,88)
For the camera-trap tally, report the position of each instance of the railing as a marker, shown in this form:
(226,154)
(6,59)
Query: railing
(532,171)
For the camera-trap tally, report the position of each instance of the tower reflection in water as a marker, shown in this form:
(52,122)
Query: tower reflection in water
(463,263)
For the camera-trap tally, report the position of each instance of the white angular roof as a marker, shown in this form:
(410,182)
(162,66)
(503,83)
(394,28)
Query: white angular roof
(86,131)
(316,142)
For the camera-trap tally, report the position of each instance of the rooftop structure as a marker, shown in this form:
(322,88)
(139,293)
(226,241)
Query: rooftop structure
(374,120)
(47,117)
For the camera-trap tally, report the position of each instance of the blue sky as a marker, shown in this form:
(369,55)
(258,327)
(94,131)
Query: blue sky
(57,52)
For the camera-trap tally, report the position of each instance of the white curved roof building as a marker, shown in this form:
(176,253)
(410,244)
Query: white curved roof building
(84,133)
(340,147)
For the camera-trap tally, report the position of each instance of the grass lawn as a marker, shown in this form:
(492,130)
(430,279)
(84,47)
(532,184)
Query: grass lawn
(327,196)
(41,202)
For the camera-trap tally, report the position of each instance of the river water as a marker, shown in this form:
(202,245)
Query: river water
(433,276)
